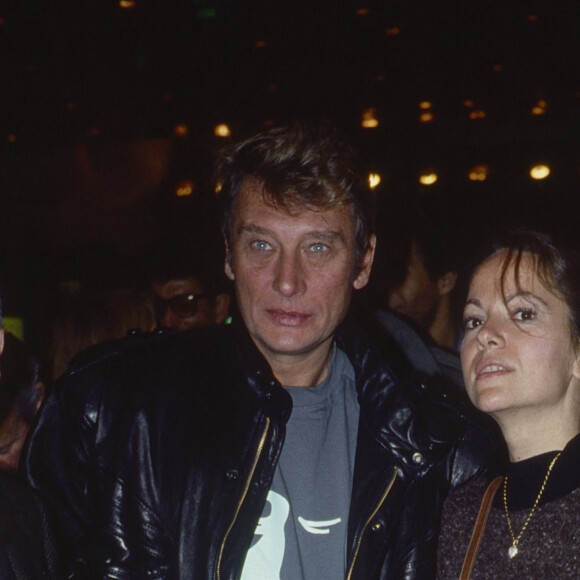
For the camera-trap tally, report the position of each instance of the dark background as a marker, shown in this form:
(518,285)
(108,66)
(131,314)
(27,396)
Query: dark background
(106,107)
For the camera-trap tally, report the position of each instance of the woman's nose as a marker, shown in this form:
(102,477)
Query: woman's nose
(490,334)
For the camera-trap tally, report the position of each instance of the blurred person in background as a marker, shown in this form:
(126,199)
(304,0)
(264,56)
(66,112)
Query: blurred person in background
(28,549)
(189,291)
(21,393)
(421,278)
(412,307)
(88,319)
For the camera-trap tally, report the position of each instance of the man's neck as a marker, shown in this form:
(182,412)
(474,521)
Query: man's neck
(301,370)
(443,330)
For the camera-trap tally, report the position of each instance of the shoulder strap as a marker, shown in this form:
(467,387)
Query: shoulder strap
(479,528)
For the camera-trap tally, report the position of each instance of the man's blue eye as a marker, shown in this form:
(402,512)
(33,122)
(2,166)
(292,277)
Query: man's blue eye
(261,245)
(318,248)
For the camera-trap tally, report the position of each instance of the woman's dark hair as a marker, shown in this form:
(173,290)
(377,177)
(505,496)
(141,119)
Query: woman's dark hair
(556,263)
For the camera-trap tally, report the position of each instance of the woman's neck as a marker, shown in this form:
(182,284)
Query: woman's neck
(536,435)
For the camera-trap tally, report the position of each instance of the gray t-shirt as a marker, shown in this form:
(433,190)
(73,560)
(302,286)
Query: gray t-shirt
(302,532)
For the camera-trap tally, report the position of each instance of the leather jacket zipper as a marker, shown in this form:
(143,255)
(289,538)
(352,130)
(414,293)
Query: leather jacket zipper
(259,450)
(367,523)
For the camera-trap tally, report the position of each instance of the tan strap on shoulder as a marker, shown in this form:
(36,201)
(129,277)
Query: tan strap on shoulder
(479,528)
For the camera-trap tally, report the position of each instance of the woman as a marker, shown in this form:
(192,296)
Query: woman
(520,358)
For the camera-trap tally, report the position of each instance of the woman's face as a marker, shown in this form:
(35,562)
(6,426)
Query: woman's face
(518,354)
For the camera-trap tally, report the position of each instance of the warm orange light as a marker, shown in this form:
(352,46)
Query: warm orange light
(374,180)
(127,4)
(425,105)
(478,173)
(468,103)
(181,130)
(540,108)
(497,68)
(477,114)
(393,31)
(369,118)
(260,44)
(222,130)
(539,171)
(11,138)
(426,117)
(184,188)
(428,177)
(363,12)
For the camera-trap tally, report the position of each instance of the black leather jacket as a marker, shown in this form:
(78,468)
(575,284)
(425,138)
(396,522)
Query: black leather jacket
(158,453)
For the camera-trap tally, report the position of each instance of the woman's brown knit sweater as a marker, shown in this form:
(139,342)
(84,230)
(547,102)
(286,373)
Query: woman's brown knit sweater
(550,546)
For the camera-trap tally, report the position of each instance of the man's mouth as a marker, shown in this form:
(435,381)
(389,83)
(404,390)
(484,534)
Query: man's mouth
(288,317)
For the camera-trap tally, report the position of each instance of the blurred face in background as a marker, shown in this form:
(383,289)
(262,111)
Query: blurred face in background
(183,304)
(417,296)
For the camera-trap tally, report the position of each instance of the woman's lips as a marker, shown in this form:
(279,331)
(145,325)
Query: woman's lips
(488,369)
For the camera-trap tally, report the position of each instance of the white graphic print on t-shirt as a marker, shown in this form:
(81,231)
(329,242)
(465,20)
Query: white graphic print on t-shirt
(264,559)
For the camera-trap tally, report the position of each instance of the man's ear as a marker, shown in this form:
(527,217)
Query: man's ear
(221,307)
(446,282)
(1,345)
(228,263)
(364,272)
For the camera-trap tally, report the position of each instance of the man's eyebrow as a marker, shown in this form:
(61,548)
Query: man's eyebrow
(249,228)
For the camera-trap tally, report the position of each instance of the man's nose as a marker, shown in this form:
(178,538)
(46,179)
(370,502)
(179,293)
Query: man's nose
(289,276)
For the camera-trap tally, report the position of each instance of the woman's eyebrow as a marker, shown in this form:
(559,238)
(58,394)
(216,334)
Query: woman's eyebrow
(526,296)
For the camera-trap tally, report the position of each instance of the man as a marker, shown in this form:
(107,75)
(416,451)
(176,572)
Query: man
(426,291)
(187,292)
(281,446)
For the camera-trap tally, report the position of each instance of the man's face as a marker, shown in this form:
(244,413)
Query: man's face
(182,304)
(417,296)
(293,273)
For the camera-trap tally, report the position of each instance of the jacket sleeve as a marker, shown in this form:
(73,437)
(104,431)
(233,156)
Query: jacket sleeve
(89,457)
(62,463)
